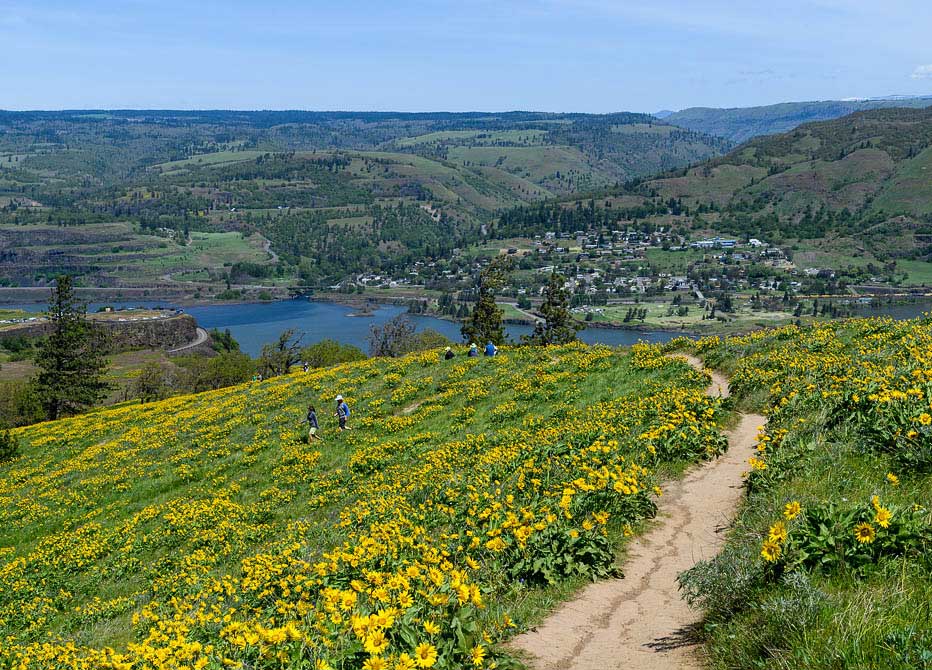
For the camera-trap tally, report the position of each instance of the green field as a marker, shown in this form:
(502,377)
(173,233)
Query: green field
(216,158)
(529,136)
(918,272)
(139,513)
(533,163)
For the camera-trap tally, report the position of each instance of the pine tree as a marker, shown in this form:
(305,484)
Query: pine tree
(71,361)
(558,326)
(485,323)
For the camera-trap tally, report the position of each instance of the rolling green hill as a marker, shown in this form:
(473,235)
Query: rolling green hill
(826,177)
(743,123)
(205,532)
(297,178)
(850,196)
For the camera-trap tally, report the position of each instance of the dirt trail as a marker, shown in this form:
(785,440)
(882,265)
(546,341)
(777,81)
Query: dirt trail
(640,622)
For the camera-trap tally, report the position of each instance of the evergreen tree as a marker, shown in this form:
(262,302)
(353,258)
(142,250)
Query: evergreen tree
(558,326)
(485,322)
(71,361)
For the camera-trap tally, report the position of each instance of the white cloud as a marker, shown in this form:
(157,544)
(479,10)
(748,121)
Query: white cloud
(922,72)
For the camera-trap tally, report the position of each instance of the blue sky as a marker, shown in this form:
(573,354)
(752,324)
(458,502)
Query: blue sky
(412,55)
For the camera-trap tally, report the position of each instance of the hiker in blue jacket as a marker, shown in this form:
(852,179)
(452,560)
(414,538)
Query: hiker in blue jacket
(490,349)
(343,412)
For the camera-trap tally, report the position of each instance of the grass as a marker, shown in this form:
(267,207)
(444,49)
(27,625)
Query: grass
(206,250)
(215,158)
(832,440)
(121,252)
(910,189)
(509,311)
(537,163)
(744,318)
(477,136)
(674,262)
(120,519)
(122,371)
(918,272)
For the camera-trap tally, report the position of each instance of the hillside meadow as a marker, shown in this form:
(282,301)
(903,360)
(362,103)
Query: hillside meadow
(829,564)
(205,532)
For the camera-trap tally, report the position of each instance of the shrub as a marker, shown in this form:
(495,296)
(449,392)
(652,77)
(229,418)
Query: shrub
(327,353)
(9,446)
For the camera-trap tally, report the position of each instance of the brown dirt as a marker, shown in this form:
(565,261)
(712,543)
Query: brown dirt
(640,622)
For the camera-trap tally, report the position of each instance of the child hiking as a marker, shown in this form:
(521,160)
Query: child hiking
(312,427)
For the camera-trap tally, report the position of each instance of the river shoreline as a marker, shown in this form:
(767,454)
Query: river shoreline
(366,306)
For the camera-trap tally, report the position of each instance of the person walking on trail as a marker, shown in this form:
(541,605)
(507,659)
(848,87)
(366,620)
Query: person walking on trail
(342,412)
(448,354)
(312,426)
(473,350)
(306,366)
(490,349)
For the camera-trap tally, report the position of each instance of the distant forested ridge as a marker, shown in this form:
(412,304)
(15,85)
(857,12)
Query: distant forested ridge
(866,176)
(743,123)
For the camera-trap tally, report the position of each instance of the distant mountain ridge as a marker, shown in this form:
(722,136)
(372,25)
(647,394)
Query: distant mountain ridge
(740,124)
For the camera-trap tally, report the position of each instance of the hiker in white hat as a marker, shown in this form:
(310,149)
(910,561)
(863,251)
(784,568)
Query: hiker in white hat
(342,412)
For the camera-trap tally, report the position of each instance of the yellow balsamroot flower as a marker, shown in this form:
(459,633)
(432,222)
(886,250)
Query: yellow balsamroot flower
(883,516)
(925,419)
(425,655)
(778,533)
(757,463)
(791,510)
(893,479)
(864,533)
(477,655)
(431,628)
(375,663)
(321,664)
(348,601)
(376,642)
(405,662)
(384,618)
(770,550)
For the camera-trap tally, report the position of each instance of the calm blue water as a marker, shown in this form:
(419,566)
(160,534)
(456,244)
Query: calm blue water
(256,324)
(253,325)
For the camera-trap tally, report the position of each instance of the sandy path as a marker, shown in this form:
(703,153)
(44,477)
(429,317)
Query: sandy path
(640,622)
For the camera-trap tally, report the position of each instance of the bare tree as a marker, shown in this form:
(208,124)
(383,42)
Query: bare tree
(278,357)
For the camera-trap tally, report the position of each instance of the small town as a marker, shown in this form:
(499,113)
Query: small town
(634,279)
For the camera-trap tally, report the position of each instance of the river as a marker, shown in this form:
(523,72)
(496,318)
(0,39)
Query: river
(254,324)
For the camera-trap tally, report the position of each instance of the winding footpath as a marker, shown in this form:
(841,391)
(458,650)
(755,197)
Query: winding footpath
(640,622)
